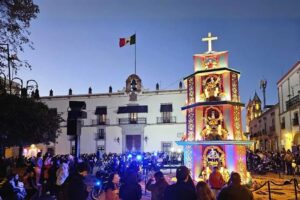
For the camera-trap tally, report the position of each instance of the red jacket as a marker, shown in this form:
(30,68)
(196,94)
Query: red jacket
(216,180)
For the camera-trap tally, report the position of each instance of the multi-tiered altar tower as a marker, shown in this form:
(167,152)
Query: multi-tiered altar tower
(214,135)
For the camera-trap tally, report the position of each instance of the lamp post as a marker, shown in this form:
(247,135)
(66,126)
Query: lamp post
(30,85)
(8,64)
(21,81)
(2,83)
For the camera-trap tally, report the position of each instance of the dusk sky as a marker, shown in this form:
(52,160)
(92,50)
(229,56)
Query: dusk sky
(77,42)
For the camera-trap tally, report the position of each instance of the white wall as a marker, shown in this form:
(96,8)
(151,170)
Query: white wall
(162,133)
(112,133)
(154,131)
(288,87)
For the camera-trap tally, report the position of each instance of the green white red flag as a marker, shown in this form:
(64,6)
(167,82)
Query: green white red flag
(125,41)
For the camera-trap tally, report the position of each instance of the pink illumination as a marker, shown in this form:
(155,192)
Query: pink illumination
(214,128)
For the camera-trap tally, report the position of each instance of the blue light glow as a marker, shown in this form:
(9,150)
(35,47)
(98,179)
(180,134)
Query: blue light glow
(98,183)
(139,157)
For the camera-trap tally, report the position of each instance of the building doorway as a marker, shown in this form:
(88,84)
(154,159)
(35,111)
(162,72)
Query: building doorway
(133,143)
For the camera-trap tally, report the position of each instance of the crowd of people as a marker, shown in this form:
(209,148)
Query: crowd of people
(117,176)
(283,162)
(185,188)
(56,175)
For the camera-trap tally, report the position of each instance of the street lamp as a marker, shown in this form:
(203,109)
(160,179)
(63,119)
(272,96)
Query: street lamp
(21,88)
(34,88)
(8,64)
(2,83)
(31,85)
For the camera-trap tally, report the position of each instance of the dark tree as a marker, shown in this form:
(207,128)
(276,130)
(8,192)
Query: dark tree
(15,18)
(25,121)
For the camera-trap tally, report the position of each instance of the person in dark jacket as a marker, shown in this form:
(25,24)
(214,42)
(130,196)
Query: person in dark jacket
(76,186)
(234,190)
(158,188)
(131,189)
(183,189)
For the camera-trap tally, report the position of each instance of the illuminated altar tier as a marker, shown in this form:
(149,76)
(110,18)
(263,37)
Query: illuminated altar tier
(210,60)
(231,119)
(234,155)
(223,80)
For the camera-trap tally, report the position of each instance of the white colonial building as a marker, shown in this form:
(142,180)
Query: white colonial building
(289,107)
(133,119)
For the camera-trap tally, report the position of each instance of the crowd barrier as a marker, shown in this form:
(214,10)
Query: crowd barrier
(293,181)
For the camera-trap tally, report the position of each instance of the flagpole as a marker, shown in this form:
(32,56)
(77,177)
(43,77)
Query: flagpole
(135,55)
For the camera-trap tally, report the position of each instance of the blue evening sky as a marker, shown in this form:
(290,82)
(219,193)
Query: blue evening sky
(76,42)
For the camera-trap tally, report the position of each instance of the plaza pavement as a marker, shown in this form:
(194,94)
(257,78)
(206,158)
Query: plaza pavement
(285,192)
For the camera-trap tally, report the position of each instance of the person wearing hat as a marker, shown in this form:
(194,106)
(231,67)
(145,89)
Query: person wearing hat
(158,188)
(184,188)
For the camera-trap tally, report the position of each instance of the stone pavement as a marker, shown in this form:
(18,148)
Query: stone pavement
(286,192)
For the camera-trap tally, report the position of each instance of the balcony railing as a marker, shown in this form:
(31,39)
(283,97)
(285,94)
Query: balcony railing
(295,122)
(162,120)
(140,120)
(95,122)
(293,102)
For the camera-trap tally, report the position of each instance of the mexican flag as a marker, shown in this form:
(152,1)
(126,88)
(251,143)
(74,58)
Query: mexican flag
(125,41)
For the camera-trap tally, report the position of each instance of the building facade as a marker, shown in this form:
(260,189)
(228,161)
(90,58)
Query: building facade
(134,119)
(254,110)
(289,107)
(265,129)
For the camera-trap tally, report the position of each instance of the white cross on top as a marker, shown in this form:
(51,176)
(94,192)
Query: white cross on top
(209,40)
